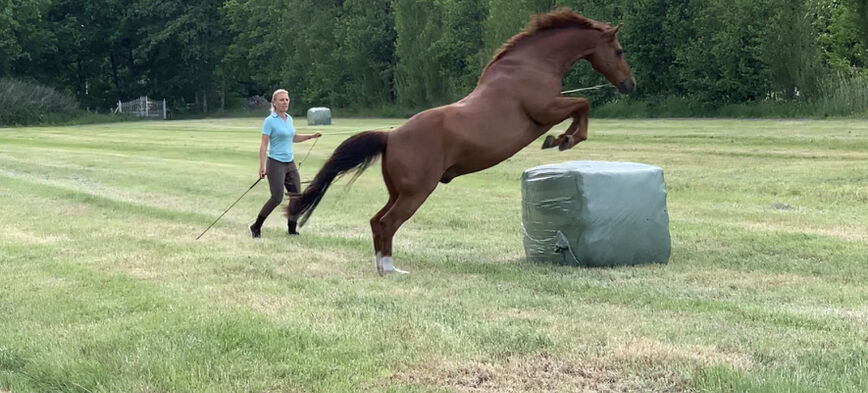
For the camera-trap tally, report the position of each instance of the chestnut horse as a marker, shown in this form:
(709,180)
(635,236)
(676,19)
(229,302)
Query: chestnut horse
(516,100)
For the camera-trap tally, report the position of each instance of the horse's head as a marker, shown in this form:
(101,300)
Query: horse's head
(608,59)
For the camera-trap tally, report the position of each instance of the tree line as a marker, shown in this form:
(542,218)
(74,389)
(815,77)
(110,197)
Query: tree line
(368,54)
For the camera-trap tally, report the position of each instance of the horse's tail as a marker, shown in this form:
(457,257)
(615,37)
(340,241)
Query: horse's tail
(357,152)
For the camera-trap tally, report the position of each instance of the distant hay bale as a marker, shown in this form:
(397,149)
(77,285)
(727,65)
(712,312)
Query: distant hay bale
(318,116)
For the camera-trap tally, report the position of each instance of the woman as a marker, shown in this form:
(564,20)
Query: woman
(278,135)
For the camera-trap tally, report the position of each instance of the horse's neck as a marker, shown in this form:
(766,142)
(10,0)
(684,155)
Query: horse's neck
(558,49)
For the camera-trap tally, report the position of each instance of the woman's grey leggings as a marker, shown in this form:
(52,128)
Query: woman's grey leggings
(280,175)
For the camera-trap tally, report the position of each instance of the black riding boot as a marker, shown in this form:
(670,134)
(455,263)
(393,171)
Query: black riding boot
(256,227)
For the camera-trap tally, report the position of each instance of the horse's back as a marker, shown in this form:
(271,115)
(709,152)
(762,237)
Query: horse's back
(482,129)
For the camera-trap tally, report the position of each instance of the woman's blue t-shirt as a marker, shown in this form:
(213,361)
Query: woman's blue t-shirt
(280,134)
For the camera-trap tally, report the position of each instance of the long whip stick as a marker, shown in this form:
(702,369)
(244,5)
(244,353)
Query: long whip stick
(227,209)
(586,88)
(308,153)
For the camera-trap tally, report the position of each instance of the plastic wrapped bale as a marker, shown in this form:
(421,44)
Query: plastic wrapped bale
(594,213)
(318,116)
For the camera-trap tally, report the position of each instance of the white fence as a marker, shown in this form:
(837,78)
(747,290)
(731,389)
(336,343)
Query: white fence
(144,107)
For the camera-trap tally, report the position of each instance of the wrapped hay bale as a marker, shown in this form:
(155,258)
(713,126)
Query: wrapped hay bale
(318,116)
(594,213)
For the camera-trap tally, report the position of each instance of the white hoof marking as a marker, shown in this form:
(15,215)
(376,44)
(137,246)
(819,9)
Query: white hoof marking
(385,266)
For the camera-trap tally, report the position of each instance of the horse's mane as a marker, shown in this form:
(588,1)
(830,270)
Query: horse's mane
(560,18)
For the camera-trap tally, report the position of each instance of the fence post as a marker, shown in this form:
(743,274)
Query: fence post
(146,106)
(164,109)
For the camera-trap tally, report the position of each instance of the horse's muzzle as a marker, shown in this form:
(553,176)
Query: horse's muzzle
(627,86)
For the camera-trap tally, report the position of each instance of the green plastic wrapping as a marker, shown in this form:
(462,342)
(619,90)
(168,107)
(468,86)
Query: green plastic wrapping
(319,115)
(595,213)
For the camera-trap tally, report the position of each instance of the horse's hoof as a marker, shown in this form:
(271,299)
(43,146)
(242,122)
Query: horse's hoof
(566,143)
(549,142)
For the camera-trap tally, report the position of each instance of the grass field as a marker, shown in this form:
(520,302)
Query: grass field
(104,289)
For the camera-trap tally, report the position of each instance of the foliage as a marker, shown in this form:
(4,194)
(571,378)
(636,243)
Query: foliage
(508,17)
(10,50)
(417,53)
(844,94)
(365,56)
(260,46)
(27,103)
(418,79)
(460,50)
(842,42)
(31,103)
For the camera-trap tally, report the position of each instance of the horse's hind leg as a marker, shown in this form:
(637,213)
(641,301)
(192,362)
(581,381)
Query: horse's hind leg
(403,208)
(375,221)
(412,166)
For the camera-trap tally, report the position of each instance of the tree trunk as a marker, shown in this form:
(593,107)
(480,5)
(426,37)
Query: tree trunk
(114,71)
(223,94)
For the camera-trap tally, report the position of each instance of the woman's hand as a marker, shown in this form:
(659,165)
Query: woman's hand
(261,172)
(316,135)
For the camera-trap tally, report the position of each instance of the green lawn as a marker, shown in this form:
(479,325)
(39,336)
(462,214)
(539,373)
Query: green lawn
(104,289)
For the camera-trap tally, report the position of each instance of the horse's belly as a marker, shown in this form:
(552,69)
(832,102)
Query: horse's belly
(475,162)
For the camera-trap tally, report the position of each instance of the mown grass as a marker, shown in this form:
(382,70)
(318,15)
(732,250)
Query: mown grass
(104,289)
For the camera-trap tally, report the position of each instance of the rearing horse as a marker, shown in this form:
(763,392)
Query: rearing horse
(516,100)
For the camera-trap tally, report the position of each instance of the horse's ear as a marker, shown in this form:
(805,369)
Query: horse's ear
(611,33)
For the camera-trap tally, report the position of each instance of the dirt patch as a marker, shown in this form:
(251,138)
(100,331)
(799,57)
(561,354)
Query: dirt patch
(844,232)
(538,373)
(32,239)
(652,351)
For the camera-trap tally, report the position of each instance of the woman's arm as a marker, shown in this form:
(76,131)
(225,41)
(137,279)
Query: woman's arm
(304,137)
(263,148)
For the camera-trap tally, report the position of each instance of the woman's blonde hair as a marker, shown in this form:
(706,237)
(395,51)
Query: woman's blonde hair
(274,95)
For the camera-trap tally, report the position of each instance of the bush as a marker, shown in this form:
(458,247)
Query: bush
(24,103)
(844,95)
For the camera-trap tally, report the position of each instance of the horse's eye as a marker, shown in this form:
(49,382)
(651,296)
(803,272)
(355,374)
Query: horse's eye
(619,52)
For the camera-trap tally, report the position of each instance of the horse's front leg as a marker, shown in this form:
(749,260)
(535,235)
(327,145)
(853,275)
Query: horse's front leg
(566,107)
(576,132)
